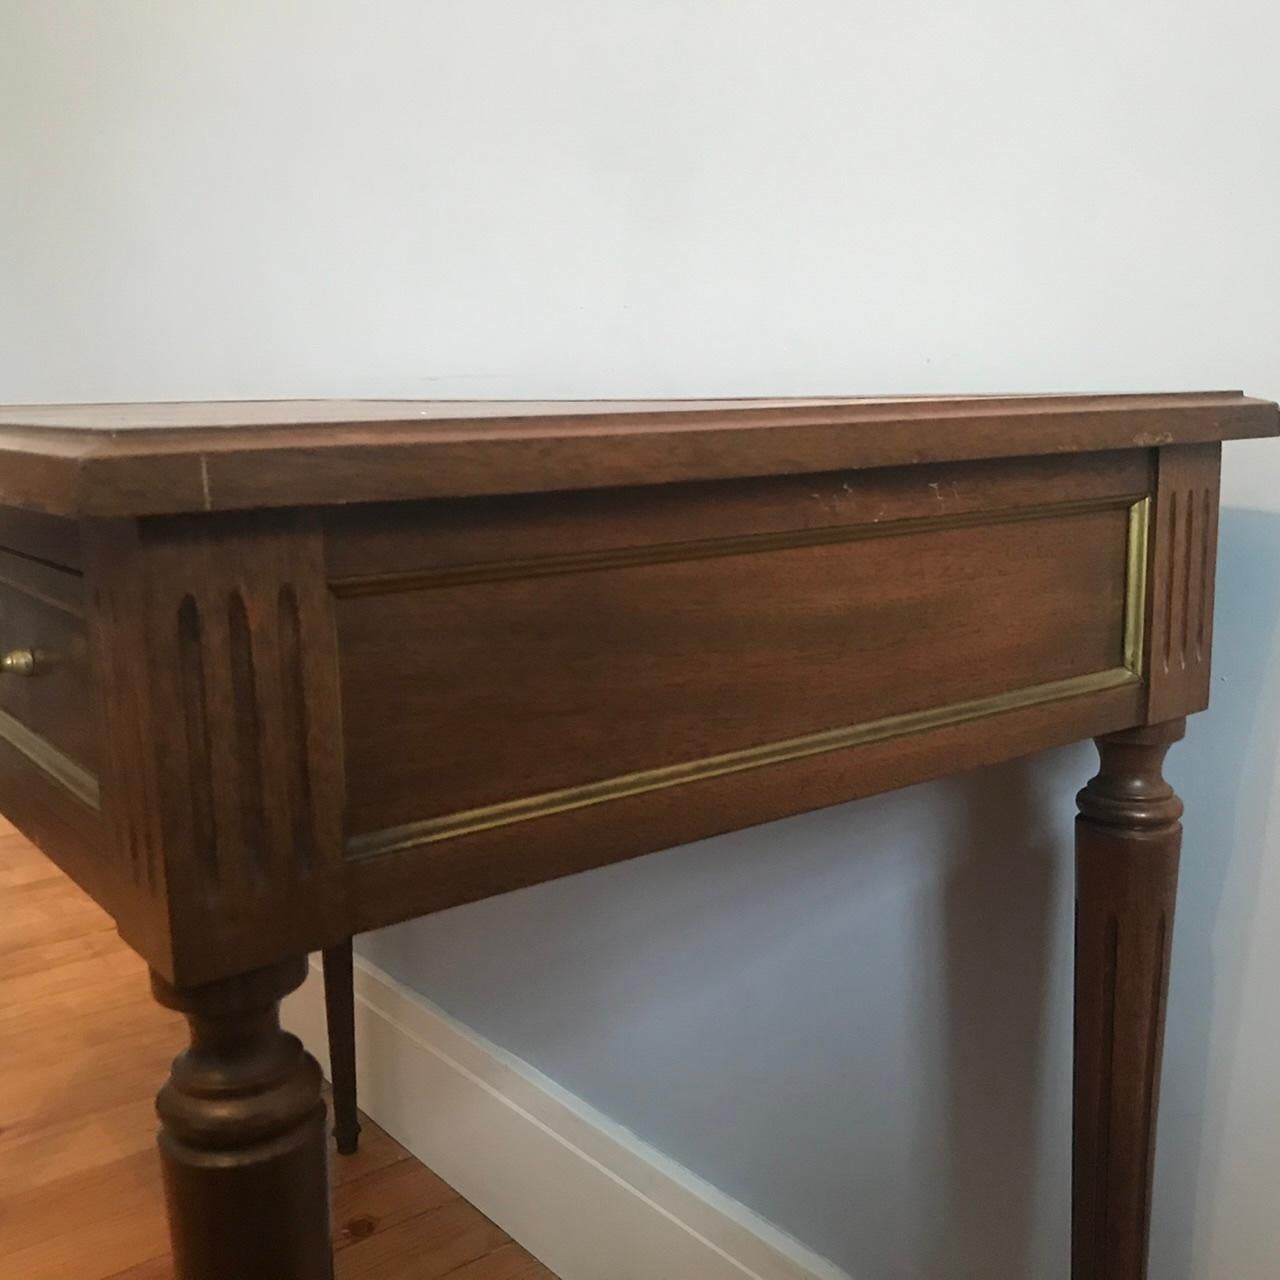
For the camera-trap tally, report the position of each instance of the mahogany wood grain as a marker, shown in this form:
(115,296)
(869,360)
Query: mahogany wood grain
(51,540)
(415,880)
(646,665)
(58,585)
(373,547)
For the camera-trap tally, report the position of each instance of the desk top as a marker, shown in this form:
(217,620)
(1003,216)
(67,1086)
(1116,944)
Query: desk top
(148,459)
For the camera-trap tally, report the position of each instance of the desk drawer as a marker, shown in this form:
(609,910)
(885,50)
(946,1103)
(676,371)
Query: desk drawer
(46,704)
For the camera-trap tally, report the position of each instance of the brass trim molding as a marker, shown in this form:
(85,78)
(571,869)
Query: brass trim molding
(50,761)
(1135,585)
(526,808)
(708,548)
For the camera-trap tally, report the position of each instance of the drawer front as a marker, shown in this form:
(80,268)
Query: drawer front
(46,703)
(489,692)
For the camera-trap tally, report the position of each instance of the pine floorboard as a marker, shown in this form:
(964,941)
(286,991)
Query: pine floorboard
(83,1048)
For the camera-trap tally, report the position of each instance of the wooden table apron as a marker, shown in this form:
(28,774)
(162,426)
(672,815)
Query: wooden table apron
(277,674)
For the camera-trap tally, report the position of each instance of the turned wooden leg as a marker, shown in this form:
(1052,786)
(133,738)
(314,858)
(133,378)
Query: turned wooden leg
(340,1011)
(1127,842)
(242,1139)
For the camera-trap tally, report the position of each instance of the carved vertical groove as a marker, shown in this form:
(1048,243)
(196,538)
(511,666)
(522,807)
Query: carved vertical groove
(132,806)
(195,719)
(1185,647)
(248,737)
(137,858)
(1169,593)
(296,728)
(1182,571)
(1185,599)
(125,844)
(249,787)
(223,787)
(1206,567)
(120,648)
(1151,1085)
(1188,585)
(145,846)
(1110,976)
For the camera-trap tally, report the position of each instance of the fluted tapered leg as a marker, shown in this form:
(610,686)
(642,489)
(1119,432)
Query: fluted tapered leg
(242,1140)
(1128,837)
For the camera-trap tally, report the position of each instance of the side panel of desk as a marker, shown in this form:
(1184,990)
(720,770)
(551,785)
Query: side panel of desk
(536,685)
(266,731)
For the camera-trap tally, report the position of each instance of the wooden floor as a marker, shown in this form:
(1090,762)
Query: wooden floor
(83,1049)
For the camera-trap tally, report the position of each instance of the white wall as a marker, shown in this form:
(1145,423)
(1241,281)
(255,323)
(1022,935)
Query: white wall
(857,1022)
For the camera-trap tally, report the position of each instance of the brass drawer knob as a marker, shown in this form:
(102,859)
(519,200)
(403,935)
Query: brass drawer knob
(19,662)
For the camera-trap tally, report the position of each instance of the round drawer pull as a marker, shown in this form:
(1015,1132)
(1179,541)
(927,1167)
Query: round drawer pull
(19,662)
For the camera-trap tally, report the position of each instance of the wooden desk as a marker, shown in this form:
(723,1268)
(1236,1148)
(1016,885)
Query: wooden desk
(278,673)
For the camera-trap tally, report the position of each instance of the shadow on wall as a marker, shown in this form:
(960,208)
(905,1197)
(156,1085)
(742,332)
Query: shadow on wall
(1004,1195)
(1003,932)
(858,1022)
(1225,771)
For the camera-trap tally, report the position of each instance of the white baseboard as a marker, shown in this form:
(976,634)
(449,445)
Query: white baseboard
(583,1195)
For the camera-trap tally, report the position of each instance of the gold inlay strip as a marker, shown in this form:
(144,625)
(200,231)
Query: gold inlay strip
(1135,585)
(707,548)
(49,760)
(486,818)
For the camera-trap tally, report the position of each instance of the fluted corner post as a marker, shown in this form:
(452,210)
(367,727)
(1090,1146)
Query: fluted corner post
(1128,837)
(242,1138)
